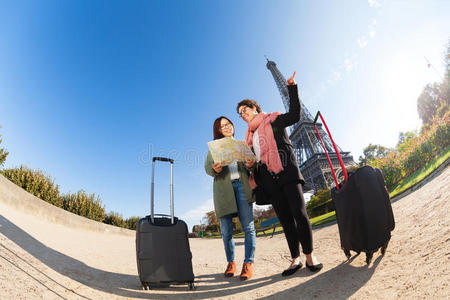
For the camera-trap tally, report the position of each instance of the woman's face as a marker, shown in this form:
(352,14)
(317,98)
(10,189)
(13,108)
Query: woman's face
(247,113)
(226,128)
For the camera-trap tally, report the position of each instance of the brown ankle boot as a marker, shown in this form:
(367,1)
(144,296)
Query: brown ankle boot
(231,268)
(247,270)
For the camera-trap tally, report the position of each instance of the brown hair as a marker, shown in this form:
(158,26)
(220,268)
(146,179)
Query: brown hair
(216,127)
(250,103)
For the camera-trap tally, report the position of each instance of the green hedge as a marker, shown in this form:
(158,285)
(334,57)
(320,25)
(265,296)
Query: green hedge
(321,209)
(36,183)
(84,205)
(80,203)
(415,153)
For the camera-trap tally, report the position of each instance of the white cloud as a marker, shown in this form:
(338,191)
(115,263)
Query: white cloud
(362,42)
(196,214)
(348,65)
(337,76)
(374,3)
(351,60)
(372,27)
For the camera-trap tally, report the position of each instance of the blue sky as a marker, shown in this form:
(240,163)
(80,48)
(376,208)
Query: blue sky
(90,90)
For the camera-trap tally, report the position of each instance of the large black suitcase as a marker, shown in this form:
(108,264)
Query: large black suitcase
(162,246)
(363,208)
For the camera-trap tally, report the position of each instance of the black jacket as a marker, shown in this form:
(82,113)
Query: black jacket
(268,181)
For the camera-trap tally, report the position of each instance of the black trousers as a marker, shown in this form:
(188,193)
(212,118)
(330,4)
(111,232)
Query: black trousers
(289,206)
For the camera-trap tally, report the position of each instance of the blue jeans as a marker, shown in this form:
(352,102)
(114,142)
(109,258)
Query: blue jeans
(245,214)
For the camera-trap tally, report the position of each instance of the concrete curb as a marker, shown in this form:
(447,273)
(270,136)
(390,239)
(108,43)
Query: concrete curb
(16,197)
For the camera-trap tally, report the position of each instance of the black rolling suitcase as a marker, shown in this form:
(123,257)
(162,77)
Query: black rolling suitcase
(363,208)
(162,246)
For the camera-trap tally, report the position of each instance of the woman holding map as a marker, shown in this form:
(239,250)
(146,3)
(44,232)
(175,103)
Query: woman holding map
(278,175)
(232,197)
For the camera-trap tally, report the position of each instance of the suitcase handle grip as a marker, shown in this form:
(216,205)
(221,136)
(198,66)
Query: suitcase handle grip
(161,215)
(163,159)
(335,149)
(164,220)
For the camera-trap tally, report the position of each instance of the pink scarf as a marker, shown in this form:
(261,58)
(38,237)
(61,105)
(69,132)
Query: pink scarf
(268,146)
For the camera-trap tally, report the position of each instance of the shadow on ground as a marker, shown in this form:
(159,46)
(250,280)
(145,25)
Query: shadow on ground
(208,286)
(324,286)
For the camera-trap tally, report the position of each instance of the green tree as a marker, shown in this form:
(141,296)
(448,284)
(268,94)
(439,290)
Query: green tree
(429,101)
(447,61)
(446,83)
(212,221)
(131,222)
(321,197)
(196,228)
(435,98)
(371,153)
(115,219)
(237,226)
(3,152)
(35,182)
(84,204)
(264,213)
(211,218)
(319,204)
(442,110)
(406,141)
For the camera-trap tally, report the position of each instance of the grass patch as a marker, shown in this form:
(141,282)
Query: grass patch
(323,219)
(268,232)
(215,235)
(420,174)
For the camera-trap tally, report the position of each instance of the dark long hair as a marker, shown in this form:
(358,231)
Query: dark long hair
(216,127)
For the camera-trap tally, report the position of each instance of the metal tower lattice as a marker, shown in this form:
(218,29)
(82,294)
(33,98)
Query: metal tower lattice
(307,147)
(282,87)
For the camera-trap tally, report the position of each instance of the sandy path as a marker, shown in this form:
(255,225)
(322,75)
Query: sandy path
(41,259)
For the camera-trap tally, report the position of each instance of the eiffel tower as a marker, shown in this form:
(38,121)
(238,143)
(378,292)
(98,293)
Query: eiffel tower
(308,149)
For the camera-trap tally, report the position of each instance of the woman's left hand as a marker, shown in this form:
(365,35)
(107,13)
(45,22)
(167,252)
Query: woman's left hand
(291,80)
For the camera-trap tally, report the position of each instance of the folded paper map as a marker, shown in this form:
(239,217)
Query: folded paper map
(227,150)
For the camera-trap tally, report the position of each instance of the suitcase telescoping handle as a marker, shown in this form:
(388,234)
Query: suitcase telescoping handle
(152,199)
(335,149)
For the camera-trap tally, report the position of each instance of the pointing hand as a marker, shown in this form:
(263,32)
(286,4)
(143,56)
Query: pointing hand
(291,80)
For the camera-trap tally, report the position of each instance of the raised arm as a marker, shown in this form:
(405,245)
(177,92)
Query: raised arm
(293,115)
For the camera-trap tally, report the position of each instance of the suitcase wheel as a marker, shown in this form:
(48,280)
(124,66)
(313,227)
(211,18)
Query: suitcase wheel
(191,286)
(347,253)
(145,286)
(369,256)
